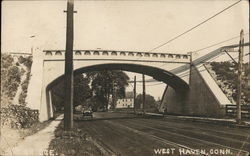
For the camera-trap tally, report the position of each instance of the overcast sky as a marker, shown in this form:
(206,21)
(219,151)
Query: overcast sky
(122,25)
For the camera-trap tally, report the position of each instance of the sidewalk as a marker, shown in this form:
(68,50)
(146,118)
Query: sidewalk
(36,144)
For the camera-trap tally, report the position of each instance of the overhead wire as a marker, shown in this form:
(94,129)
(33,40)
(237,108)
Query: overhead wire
(219,43)
(194,26)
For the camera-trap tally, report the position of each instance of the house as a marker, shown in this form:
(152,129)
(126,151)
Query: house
(125,103)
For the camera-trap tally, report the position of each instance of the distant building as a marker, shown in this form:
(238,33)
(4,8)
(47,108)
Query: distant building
(125,103)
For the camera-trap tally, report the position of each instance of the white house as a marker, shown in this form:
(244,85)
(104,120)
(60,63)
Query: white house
(125,103)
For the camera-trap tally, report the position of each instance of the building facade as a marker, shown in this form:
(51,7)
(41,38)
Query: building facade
(125,103)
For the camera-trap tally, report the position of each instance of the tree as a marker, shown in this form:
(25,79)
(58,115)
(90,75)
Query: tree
(82,89)
(149,101)
(108,82)
(82,92)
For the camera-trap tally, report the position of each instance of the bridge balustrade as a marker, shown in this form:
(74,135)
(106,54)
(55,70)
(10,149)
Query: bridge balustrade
(58,53)
(87,53)
(146,54)
(170,56)
(114,53)
(130,54)
(139,54)
(105,53)
(177,56)
(155,55)
(78,52)
(163,55)
(99,54)
(122,53)
(96,53)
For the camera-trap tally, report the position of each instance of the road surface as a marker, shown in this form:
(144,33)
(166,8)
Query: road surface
(128,136)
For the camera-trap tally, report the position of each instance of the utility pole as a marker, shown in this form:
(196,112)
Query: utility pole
(240,68)
(114,87)
(134,91)
(113,94)
(69,77)
(143,93)
(191,64)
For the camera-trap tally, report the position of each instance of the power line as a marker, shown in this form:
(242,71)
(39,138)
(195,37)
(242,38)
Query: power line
(236,58)
(195,26)
(153,84)
(219,43)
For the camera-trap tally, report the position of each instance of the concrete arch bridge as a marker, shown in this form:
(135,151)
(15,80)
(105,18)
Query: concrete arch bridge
(183,94)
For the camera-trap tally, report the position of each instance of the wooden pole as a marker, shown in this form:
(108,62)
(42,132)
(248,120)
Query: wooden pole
(69,77)
(143,93)
(240,68)
(134,91)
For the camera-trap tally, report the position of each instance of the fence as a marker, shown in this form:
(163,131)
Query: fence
(231,111)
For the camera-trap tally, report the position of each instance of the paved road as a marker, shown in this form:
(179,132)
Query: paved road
(160,136)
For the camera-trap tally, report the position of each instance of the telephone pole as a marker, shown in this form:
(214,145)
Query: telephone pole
(134,91)
(240,68)
(68,76)
(143,93)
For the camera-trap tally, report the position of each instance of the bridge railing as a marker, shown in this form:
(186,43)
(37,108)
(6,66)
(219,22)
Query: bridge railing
(231,111)
(115,54)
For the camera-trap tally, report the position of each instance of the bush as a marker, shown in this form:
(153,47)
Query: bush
(227,72)
(17,116)
(27,61)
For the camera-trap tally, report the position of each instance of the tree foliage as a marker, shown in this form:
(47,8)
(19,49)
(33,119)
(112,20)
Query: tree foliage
(227,72)
(93,89)
(149,101)
(10,79)
(108,82)
(82,89)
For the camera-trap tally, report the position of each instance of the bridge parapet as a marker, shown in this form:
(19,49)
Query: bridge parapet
(117,55)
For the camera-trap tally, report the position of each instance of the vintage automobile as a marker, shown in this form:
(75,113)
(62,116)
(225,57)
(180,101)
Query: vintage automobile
(87,113)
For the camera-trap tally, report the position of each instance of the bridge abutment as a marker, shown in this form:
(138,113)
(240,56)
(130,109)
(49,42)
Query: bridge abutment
(204,97)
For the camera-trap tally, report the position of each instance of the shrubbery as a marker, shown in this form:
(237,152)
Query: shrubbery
(227,72)
(17,116)
(24,86)
(27,61)
(10,78)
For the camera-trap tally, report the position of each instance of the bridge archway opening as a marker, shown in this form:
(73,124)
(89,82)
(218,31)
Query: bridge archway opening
(158,74)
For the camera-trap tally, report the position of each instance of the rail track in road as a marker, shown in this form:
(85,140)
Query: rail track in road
(141,136)
(189,139)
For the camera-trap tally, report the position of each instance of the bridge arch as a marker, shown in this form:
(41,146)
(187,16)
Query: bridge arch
(158,74)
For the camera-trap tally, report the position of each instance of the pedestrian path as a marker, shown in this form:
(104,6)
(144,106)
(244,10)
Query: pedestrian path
(36,144)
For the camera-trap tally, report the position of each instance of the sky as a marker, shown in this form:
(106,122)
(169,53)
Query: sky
(123,25)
